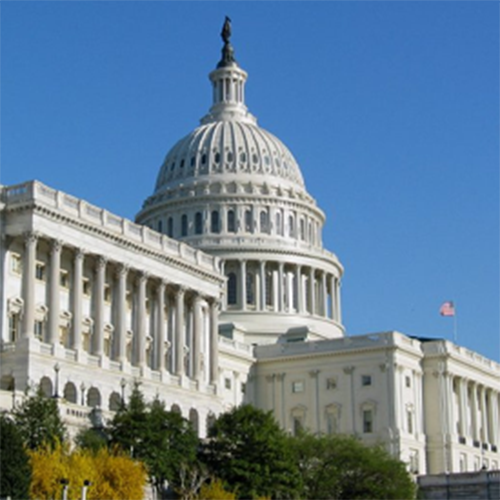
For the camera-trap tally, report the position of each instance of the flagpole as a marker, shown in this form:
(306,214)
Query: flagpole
(455,334)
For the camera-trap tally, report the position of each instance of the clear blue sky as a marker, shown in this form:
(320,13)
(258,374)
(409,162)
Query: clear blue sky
(391,109)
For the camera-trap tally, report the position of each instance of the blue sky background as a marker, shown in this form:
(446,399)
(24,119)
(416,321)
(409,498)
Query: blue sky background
(390,108)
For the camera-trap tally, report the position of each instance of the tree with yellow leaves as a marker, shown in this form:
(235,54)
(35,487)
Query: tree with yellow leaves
(113,476)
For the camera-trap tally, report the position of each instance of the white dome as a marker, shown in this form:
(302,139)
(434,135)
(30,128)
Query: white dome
(223,148)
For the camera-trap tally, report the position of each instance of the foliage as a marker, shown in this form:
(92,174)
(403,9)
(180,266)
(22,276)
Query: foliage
(92,439)
(163,440)
(341,467)
(249,452)
(214,490)
(112,476)
(16,469)
(39,421)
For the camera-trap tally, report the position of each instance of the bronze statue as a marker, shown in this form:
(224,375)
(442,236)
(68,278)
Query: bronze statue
(226,30)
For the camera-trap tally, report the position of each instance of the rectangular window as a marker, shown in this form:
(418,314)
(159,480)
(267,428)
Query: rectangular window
(367,421)
(366,380)
(298,386)
(409,422)
(227,383)
(331,383)
(243,388)
(13,327)
(64,278)
(107,293)
(86,286)
(332,423)
(408,381)
(40,271)
(16,265)
(39,330)
(297,425)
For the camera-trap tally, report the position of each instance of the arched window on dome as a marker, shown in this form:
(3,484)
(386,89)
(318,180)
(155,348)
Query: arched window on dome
(232,289)
(170,227)
(184,225)
(231,221)
(198,223)
(291,226)
(214,222)
(279,224)
(250,281)
(302,229)
(264,222)
(160,226)
(248,221)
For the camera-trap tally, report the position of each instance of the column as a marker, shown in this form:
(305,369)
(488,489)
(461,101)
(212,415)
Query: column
(337,296)
(224,294)
(197,337)
(54,292)
(179,331)
(463,408)
(289,291)
(100,271)
(333,305)
(281,295)
(140,355)
(300,294)
(120,353)
(475,433)
(29,264)
(160,326)
(77,299)
(243,287)
(312,298)
(484,422)
(214,342)
(262,273)
(494,418)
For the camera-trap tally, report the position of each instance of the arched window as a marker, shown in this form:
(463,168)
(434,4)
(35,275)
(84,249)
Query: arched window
(291,228)
(170,227)
(115,401)
(70,392)
(184,225)
(248,221)
(160,226)
(198,223)
(250,281)
(232,289)
(93,397)
(231,222)
(279,226)
(264,222)
(214,222)
(302,229)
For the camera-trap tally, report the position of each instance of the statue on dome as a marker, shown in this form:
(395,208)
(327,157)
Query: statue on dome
(226,30)
(227,51)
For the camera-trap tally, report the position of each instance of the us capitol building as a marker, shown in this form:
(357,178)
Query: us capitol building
(220,293)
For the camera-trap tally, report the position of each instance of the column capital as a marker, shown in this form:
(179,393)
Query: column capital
(121,270)
(30,237)
(56,245)
(80,253)
(349,370)
(271,377)
(314,373)
(142,277)
(101,262)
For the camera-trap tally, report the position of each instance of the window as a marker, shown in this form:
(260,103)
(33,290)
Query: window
(227,383)
(331,383)
(107,293)
(86,286)
(160,226)
(214,222)
(184,225)
(250,282)
(14,324)
(408,381)
(198,223)
(298,386)
(264,222)
(279,226)
(232,290)
(16,265)
(40,271)
(248,221)
(298,425)
(367,421)
(269,288)
(243,388)
(170,227)
(366,380)
(231,222)
(64,278)
(39,329)
(409,421)
(302,229)
(291,229)
(332,422)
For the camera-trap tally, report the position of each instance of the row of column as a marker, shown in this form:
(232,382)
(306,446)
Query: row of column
(120,327)
(294,288)
(478,410)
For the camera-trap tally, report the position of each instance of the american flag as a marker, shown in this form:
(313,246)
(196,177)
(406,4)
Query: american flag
(447,309)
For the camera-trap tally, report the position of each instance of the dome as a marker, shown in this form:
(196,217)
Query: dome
(226,148)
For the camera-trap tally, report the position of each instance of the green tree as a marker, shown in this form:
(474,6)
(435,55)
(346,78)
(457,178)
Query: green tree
(251,454)
(163,440)
(14,462)
(39,421)
(341,467)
